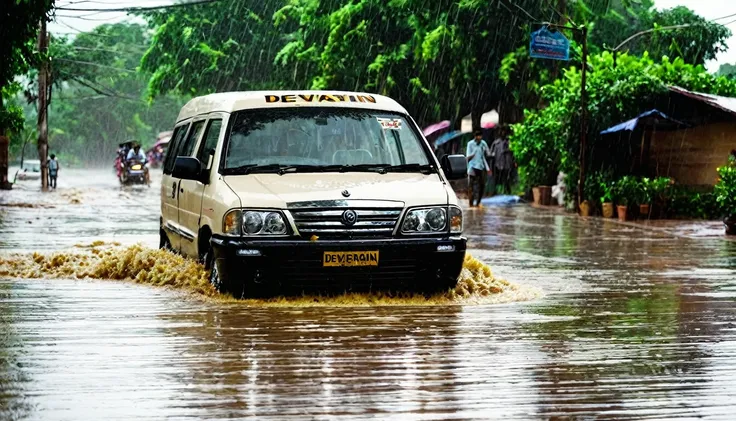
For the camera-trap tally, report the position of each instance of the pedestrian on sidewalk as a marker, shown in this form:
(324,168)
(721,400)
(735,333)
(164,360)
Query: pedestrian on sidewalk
(53,166)
(503,161)
(476,153)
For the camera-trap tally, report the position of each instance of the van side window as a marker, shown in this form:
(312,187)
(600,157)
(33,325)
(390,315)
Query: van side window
(173,150)
(191,142)
(210,141)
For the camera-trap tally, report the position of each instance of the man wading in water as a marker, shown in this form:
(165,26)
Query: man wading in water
(477,167)
(53,165)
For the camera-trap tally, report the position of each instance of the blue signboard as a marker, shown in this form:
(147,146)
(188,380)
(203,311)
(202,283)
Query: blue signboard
(548,44)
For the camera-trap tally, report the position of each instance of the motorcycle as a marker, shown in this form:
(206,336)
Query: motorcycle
(134,172)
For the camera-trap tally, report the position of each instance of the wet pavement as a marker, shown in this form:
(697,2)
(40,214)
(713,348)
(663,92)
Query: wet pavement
(638,321)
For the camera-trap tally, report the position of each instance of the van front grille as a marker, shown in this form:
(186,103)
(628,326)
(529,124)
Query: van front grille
(331,223)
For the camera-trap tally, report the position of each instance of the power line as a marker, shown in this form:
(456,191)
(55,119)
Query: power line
(724,17)
(138,9)
(87,19)
(96,65)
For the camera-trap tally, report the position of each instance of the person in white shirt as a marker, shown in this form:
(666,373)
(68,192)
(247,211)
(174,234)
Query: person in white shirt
(476,153)
(136,154)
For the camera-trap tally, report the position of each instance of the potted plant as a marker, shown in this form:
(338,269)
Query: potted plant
(537,176)
(607,201)
(725,192)
(624,191)
(644,196)
(660,189)
(592,193)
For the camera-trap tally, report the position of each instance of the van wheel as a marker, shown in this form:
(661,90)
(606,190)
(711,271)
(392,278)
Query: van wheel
(164,242)
(208,260)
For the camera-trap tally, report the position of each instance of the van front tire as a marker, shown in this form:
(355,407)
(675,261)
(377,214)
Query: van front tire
(208,260)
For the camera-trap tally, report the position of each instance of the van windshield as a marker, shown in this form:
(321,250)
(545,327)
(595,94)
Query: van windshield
(322,139)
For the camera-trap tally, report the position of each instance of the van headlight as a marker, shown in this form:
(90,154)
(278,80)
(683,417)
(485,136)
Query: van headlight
(425,221)
(254,222)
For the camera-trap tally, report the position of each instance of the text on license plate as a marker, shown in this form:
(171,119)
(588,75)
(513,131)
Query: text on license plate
(350,258)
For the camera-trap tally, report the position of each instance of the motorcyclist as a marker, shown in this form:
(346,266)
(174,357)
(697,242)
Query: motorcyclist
(136,154)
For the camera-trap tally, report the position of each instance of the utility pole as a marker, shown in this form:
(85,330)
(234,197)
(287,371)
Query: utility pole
(582,30)
(583,116)
(43,104)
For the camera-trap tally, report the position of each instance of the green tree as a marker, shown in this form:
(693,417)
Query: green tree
(224,46)
(99,96)
(727,70)
(19,21)
(439,58)
(610,23)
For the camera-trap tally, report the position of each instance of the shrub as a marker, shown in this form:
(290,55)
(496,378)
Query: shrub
(625,190)
(598,187)
(725,190)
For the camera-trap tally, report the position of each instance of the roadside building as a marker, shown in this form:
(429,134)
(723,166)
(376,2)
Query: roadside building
(686,137)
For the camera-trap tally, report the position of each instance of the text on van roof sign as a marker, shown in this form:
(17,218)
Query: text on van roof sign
(312,98)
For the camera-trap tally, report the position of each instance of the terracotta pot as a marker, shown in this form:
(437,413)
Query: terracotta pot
(622,209)
(585,209)
(607,210)
(730,223)
(537,195)
(545,195)
(644,210)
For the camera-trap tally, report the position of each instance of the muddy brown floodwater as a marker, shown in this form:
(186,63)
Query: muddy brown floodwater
(636,322)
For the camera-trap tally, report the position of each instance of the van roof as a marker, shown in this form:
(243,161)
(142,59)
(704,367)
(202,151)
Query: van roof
(236,101)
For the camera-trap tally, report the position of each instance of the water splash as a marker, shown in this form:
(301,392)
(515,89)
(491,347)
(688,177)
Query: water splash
(139,264)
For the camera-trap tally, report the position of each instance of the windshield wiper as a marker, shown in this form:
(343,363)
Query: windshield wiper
(424,169)
(269,168)
(379,168)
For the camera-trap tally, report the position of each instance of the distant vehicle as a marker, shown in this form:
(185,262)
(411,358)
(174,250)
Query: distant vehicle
(134,172)
(31,170)
(158,150)
(122,152)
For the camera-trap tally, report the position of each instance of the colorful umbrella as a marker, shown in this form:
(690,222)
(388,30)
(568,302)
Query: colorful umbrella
(436,127)
(448,137)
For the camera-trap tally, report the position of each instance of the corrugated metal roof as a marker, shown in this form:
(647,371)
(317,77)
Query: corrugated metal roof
(724,103)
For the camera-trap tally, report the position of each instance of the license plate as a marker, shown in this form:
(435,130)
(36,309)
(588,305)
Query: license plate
(350,258)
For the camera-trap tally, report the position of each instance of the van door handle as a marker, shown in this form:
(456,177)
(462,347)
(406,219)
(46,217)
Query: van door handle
(173,191)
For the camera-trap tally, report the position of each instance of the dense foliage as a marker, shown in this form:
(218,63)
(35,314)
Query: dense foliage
(610,23)
(99,95)
(19,20)
(725,190)
(438,58)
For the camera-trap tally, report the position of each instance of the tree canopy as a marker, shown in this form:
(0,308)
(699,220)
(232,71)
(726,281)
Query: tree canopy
(19,20)
(438,58)
(99,95)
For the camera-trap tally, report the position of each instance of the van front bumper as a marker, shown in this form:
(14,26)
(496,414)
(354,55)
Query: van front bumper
(287,267)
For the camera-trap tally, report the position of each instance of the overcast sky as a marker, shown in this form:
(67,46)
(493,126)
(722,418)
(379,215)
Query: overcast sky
(84,21)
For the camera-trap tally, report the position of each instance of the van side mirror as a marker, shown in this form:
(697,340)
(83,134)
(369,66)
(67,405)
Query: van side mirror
(187,168)
(455,167)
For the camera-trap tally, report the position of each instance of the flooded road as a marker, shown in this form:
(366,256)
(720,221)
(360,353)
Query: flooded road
(636,322)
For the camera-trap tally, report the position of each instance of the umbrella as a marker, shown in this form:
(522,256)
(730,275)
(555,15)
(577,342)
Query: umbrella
(436,127)
(649,117)
(448,137)
(161,142)
(489,120)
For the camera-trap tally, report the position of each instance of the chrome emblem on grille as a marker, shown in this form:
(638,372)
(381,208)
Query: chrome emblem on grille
(345,193)
(349,218)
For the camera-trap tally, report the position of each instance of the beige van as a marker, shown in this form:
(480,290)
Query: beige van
(284,192)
